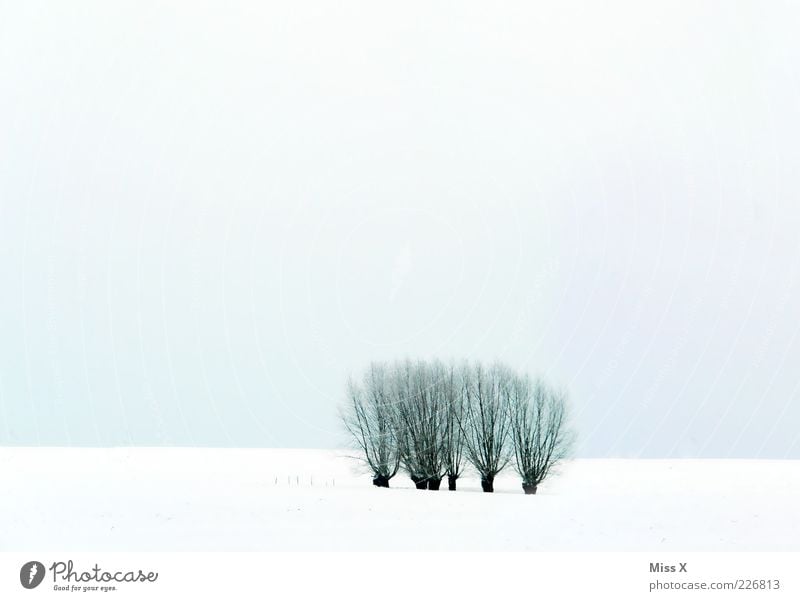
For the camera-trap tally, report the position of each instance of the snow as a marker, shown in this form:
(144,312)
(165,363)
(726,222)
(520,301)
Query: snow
(171,499)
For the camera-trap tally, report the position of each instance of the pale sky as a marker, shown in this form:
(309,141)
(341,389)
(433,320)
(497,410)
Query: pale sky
(212,213)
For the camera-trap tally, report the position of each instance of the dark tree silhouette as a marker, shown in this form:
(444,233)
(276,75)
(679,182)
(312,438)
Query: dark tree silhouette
(539,434)
(449,379)
(485,423)
(368,418)
(418,413)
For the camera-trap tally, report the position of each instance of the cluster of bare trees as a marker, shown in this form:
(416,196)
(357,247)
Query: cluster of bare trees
(432,418)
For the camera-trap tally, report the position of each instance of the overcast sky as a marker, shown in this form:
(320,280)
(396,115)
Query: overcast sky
(212,213)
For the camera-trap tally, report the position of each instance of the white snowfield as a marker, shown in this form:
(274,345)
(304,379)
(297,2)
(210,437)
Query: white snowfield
(130,499)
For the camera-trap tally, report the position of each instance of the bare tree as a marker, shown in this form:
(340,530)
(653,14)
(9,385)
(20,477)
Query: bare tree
(539,434)
(367,417)
(406,423)
(418,411)
(448,378)
(485,423)
(432,418)
(433,398)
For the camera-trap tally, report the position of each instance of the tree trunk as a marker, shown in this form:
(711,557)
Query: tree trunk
(487,484)
(434,483)
(420,482)
(530,489)
(381,481)
(451,482)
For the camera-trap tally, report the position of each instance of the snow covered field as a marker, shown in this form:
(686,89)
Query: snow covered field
(129,499)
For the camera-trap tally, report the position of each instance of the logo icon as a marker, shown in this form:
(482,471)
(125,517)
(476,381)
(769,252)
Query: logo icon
(31,574)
